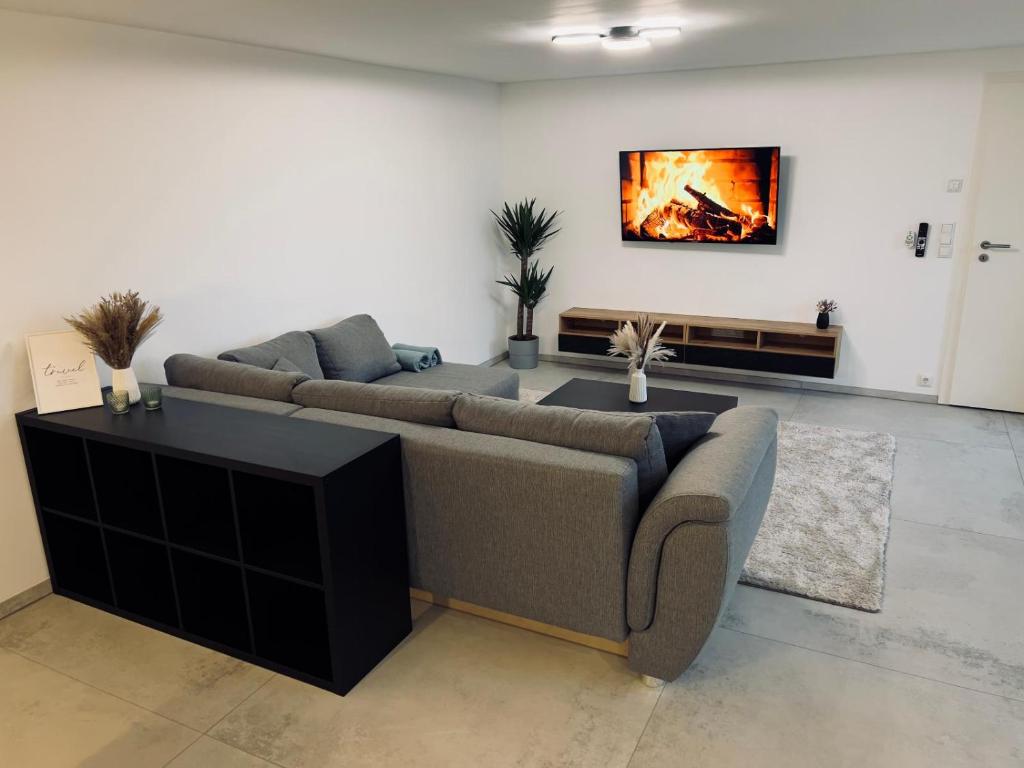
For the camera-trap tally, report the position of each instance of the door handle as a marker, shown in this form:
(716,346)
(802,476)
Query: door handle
(989,245)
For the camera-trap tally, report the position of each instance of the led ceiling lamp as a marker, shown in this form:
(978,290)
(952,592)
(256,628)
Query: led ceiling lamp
(577,38)
(626,38)
(657,33)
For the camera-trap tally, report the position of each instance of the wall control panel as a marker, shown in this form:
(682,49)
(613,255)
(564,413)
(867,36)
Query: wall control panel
(922,240)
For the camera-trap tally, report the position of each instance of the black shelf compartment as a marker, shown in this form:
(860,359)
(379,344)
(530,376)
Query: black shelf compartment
(278,526)
(197,506)
(141,571)
(78,562)
(211,595)
(125,488)
(61,472)
(822,367)
(289,623)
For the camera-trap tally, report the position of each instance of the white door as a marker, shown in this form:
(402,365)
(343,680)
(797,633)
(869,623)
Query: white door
(989,361)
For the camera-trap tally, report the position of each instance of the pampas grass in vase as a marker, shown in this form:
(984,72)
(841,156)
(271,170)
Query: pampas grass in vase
(640,345)
(114,328)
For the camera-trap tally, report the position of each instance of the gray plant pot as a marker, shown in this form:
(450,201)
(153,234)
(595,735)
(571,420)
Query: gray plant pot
(523,354)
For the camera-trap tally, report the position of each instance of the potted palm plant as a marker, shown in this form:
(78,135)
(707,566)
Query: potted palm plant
(526,231)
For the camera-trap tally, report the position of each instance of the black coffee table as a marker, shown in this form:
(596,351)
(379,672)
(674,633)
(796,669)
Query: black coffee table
(610,396)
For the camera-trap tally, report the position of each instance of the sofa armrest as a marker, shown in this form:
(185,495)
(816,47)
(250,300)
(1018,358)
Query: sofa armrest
(694,538)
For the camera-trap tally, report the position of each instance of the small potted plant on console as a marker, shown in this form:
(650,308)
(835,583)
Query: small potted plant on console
(825,307)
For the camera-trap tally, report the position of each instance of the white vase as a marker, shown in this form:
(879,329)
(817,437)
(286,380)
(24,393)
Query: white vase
(124,379)
(638,387)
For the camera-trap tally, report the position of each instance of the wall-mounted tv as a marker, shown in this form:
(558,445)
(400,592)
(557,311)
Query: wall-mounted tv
(700,195)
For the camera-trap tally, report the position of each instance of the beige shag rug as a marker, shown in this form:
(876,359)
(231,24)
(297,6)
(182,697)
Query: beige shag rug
(827,524)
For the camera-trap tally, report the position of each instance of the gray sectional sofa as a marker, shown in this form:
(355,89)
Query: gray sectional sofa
(570,518)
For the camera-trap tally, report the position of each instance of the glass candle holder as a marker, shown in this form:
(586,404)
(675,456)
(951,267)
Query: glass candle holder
(118,400)
(152,396)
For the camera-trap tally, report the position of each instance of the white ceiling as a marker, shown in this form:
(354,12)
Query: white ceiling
(508,40)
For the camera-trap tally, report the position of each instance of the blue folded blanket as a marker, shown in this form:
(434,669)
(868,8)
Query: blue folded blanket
(413,358)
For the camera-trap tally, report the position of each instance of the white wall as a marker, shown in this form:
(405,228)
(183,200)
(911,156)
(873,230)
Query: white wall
(247,191)
(868,146)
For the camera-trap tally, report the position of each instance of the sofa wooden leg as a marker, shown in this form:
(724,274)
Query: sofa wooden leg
(651,682)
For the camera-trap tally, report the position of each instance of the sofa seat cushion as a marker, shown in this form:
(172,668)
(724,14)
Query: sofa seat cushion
(354,350)
(422,406)
(474,379)
(296,347)
(193,372)
(632,436)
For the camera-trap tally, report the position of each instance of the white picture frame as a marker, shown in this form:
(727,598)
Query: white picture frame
(64,376)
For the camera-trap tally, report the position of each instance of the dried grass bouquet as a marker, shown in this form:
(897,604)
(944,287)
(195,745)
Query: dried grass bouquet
(641,344)
(825,306)
(116,326)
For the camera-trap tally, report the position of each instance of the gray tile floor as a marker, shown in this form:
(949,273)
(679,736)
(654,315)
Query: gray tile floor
(935,679)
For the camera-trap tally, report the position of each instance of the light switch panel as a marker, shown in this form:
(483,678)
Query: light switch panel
(946,233)
(945,251)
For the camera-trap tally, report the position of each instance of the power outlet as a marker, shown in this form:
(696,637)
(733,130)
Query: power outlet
(924,380)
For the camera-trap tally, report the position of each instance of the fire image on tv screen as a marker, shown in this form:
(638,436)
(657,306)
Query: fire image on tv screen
(700,195)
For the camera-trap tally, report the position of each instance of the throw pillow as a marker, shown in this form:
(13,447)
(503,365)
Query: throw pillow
(679,430)
(297,346)
(284,364)
(355,350)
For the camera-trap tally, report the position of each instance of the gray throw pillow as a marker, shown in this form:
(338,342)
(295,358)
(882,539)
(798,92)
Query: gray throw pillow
(355,350)
(633,436)
(284,364)
(422,406)
(297,346)
(679,430)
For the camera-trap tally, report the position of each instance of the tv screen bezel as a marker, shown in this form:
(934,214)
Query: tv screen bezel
(778,197)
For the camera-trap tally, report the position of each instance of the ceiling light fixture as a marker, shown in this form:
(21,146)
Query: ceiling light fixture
(655,33)
(577,38)
(618,38)
(624,39)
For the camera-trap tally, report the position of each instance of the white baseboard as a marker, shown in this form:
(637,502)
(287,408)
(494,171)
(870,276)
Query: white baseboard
(496,359)
(29,596)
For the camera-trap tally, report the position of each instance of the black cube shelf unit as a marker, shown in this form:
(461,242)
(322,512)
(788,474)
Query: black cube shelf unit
(280,541)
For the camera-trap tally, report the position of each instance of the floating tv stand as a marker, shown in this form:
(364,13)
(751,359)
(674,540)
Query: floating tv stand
(771,346)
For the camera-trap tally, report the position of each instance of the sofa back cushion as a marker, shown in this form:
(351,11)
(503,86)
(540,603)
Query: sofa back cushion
(633,436)
(354,350)
(422,406)
(193,372)
(296,348)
